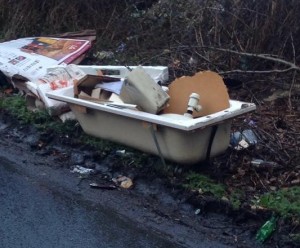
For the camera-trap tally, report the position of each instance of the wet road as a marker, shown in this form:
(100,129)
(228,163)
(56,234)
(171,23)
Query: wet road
(33,215)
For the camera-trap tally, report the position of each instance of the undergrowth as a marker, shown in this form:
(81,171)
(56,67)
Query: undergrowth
(16,105)
(204,184)
(285,202)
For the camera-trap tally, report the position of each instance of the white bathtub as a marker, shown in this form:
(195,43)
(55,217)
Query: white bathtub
(183,141)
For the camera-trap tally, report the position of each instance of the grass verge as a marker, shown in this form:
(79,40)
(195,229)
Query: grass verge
(285,202)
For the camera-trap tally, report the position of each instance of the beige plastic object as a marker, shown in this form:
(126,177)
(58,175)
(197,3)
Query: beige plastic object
(184,141)
(158,73)
(140,89)
(210,87)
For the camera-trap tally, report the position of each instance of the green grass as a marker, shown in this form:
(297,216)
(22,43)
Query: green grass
(16,106)
(204,184)
(285,202)
(235,198)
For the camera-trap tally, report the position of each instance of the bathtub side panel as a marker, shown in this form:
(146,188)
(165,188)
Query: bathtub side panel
(185,147)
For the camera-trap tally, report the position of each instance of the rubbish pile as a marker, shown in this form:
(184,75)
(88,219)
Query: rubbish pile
(25,62)
(141,88)
(137,90)
(160,117)
(39,65)
(136,106)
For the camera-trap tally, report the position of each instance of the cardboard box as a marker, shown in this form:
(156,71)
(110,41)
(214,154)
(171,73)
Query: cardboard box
(88,83)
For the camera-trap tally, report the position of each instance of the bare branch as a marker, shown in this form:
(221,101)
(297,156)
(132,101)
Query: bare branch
(261,56)
(256,72)
(291,65)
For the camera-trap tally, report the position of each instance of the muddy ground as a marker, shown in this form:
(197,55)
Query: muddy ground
(158,200)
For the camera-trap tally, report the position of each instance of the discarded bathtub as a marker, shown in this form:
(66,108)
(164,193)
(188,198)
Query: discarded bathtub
(185,141)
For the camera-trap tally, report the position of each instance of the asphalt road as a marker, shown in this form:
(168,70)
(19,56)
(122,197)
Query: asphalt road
(35,215)
(43,205)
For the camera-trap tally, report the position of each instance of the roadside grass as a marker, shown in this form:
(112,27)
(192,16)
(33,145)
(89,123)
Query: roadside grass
(16,106)
(284,202)
(235,198)
(204,184)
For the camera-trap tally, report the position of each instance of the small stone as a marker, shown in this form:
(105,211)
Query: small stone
(197,211)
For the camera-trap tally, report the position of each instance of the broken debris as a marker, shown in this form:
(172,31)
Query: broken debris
(123,182)
(103,186)
(82,170)
(242,140)
(140,89)
(262,164)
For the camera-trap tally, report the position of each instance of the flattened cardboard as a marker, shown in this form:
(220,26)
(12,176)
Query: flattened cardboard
(102,97)
(209,85)
(88,82)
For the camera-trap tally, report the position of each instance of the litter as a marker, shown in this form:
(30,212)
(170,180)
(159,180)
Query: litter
(178,138)
(54,79)
(242,140)
(104,55)
(250,136)
(262,164)
(123,182)
(123,153)
(266,230)
(25,63)
(65,75)
(140,89)
(82,170)
(103,186)
(197,211)
(29,58)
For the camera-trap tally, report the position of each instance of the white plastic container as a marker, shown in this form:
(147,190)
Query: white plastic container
(158,73)
(186,141)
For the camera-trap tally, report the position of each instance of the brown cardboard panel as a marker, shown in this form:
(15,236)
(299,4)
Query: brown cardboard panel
(102,98)
(88,82)
(80,109)
(209,85)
